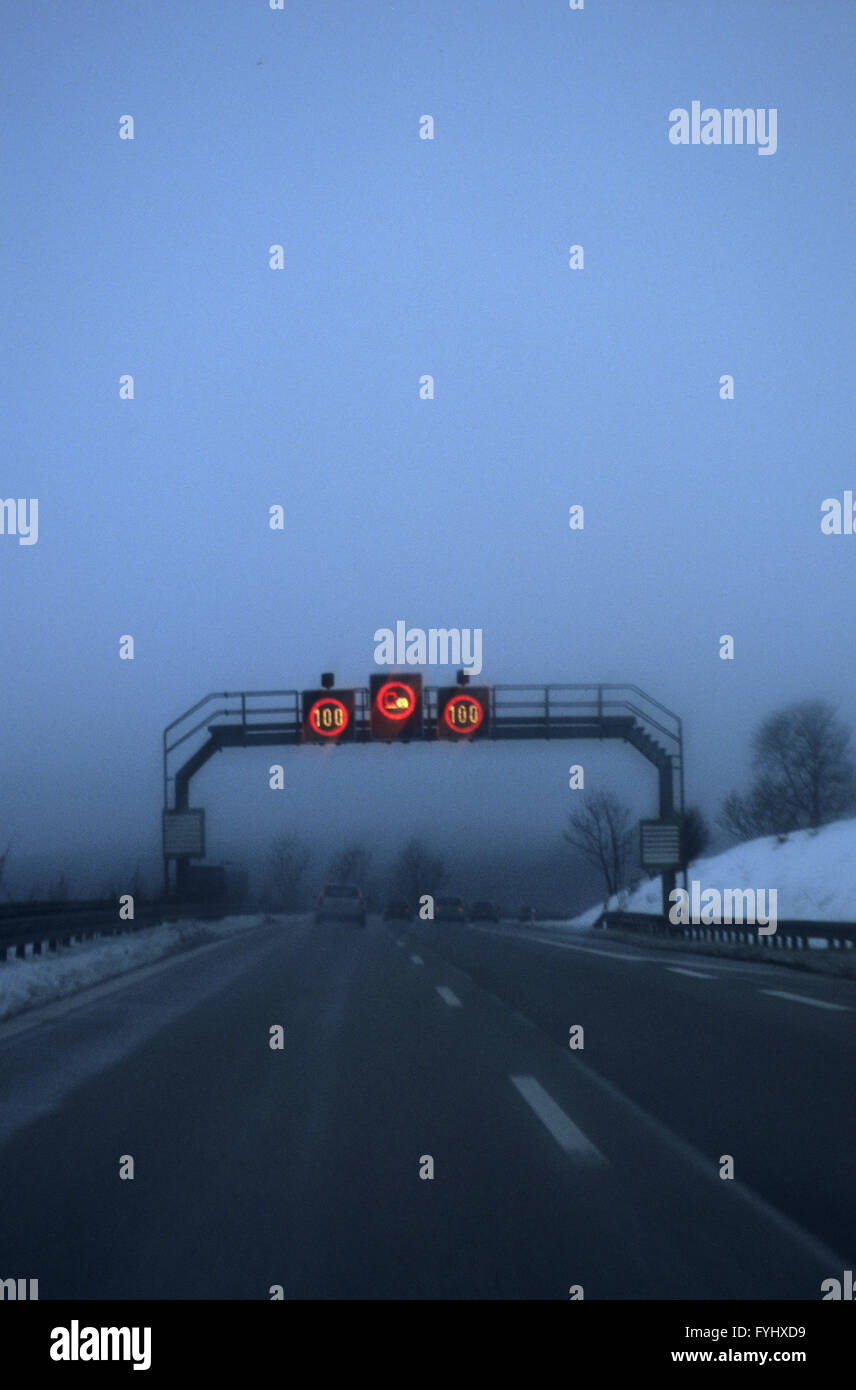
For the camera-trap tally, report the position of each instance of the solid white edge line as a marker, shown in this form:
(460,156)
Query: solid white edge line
(804,999)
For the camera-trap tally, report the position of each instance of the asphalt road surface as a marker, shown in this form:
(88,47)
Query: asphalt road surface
(552,1167)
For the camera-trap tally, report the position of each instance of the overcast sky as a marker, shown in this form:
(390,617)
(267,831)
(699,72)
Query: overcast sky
(300,387)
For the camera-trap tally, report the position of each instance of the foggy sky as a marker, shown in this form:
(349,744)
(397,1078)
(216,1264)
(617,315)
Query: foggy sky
(300,387)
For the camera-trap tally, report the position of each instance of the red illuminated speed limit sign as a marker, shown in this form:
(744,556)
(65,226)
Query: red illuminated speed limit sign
(462,713)
(328,716)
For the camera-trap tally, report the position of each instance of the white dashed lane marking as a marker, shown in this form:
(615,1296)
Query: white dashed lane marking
(417,960)
(587,950)
(696,974)
(804,999)
(562,945)
(449,997)
(566,1134)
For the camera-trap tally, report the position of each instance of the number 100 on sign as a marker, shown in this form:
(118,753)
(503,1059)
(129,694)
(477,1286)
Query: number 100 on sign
(462,713)
(328,716)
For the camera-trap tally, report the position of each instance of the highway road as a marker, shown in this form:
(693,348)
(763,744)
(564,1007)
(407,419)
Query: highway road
(553,1168)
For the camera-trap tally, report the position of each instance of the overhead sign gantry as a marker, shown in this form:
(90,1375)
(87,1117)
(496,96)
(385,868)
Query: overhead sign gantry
(396,707)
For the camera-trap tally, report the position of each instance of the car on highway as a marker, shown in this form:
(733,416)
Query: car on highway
(397,910)
(449,910)
(484,912)
(341,902)
(527,913)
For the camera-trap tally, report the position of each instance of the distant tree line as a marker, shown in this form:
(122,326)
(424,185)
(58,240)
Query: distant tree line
(416,870)
(803,777)
(804,774)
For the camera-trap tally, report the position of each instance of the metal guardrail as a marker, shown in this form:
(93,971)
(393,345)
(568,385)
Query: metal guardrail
(789,935)
(50,925)
(51,908)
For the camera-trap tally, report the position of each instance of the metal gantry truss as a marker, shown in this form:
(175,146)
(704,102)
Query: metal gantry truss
(268,718)
(273,718)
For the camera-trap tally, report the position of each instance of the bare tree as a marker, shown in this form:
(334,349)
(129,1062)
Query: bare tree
(58,889)
(805,774)
(602,831)
(350,865)
(286,864)
(695,835)
(417,871)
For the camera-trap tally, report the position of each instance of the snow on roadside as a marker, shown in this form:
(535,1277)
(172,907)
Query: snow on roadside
(813,872)
(40,979)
